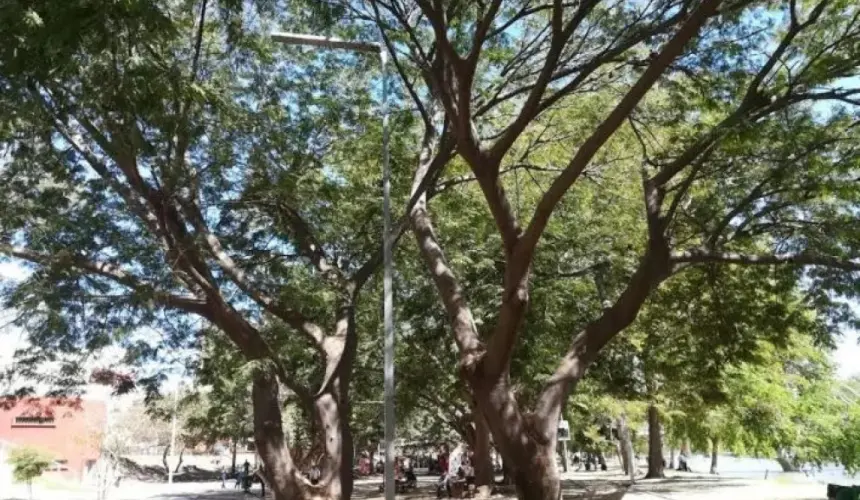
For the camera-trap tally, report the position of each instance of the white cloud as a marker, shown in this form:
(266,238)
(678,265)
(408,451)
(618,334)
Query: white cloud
(847,355)
(13,271)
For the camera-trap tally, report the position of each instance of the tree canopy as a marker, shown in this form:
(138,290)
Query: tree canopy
(684,171)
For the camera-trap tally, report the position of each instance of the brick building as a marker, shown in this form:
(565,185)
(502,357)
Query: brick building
(68,430)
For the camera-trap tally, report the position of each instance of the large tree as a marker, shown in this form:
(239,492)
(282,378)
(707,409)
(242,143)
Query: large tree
(167,167)
(738,165)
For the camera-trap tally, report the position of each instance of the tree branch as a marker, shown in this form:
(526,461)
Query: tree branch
(702,256)
(68,260)
(672,49)
(460,316)
(559,37)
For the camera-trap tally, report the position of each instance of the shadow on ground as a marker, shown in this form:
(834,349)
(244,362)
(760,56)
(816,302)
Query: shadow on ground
(678,484)
(157,474)
(227,494)
(597,489)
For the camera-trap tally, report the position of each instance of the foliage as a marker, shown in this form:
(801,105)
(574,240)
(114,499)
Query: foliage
(28,463)
(681,170)
(219,408)
(177,174)
(784,403)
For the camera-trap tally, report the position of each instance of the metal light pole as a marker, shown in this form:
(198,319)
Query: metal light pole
(387,279)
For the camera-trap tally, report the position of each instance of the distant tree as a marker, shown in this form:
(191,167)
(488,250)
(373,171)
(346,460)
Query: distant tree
(28,464)
(784,402)
(221,408)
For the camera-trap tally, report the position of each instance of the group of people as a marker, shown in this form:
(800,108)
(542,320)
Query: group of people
(456,468)
(589,461)
(404,475)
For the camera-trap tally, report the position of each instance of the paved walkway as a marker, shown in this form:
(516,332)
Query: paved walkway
(688,487)
(609,485)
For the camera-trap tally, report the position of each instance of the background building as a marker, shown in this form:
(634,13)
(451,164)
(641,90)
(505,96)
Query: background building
(69,430)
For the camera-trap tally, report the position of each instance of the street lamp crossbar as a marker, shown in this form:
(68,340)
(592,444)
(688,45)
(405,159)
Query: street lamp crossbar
(327,42)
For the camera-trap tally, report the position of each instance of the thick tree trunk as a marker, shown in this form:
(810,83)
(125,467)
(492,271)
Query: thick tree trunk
(527,443)
(715,453)
(284,478)
(484,476)
(601,460)
(536,477)
(655,445)
(786,462)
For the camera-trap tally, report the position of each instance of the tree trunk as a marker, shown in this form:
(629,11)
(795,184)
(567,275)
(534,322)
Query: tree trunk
(284,478)
(786,462)
(233,465)
(626,448)
(164,459)
(655,445)
(507,472)
(536,478)
(484,476)
(179,462)
(671,457)
(527,443)
(715,453)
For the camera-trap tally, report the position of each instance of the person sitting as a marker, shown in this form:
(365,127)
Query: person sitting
(409,474)
(468,472)
(315,474)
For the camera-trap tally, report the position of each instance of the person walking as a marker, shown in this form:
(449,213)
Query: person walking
(246,477)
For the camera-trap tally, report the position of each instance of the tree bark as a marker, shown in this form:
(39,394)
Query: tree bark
(655,445)
(786,462)
(536,477)
(527,443)
(484,476)
(507,472)
(284,478)
(179,462)
(629,463)
(715,453)
(233,465)
(601,460)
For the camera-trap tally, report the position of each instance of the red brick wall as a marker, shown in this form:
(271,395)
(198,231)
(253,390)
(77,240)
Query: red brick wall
(74,434)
